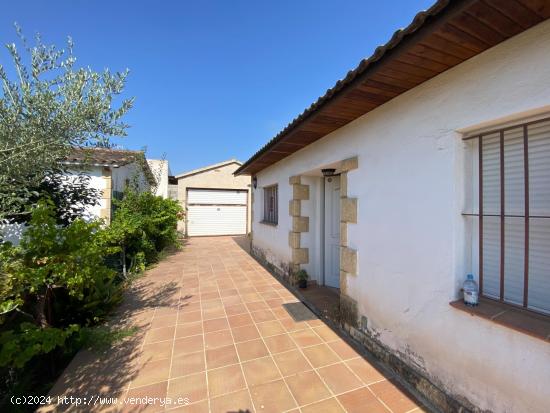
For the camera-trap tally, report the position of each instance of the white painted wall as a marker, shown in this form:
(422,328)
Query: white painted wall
(410,234)
(160,169)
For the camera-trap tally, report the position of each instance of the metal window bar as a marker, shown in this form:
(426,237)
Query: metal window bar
(503,214)
(271,204)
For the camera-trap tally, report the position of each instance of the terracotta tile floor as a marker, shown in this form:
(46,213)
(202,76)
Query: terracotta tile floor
(214,333)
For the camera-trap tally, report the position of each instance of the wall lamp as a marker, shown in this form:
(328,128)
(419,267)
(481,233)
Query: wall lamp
(255,182)
(328,172)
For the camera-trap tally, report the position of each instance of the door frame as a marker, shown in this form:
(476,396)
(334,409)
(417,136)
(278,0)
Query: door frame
(323,228)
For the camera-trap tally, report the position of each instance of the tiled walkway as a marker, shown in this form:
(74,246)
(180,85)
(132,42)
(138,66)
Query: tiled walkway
(214,333)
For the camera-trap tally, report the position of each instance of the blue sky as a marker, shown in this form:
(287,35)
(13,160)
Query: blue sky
(214,80)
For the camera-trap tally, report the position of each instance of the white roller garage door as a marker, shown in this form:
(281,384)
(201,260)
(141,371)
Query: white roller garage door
(216,212)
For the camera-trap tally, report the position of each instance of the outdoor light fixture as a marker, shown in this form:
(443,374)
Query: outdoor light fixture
(255,182)
(328,171)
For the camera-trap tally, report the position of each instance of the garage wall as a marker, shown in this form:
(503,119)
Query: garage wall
(218,178)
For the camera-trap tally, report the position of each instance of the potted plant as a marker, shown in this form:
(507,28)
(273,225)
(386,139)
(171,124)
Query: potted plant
(302,277)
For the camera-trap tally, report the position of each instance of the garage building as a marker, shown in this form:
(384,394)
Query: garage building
(216,202)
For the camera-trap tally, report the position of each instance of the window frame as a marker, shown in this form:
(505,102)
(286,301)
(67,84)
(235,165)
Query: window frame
(524,125)
(271,205)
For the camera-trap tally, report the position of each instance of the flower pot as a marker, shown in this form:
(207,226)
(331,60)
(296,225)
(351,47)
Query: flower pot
(302,283)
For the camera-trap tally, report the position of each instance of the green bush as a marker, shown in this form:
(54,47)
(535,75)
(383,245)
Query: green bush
(54,280)
(143,225)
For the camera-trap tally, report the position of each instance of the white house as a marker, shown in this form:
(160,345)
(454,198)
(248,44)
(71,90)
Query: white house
(110,171)
(429,161)
(163,177)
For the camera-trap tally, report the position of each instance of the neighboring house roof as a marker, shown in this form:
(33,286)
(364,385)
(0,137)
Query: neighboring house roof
(445,35)
(113,158)
(208,168)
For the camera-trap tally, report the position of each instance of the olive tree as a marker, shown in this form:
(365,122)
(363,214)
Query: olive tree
(49,105)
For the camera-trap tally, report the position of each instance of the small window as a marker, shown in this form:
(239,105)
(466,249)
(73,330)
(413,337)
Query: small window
(271,210)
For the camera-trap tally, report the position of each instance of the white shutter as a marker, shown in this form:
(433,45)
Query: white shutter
(539,205)
(216,197)
(491,206)
(514,204)
(216,212)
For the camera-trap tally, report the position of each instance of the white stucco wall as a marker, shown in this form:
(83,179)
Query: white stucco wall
(160,169)
(410,235)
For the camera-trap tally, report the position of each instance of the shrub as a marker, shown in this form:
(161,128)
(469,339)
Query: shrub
(143,225)
(56,278)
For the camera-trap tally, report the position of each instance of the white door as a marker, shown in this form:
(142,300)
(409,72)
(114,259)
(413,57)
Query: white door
(216,212)
(332,231)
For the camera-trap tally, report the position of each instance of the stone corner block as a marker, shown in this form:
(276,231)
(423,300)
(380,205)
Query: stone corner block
(349,164)
(348,210)
(300,224)
(343,185)
(348,260)
(294,239)
(343,234)
(293,180)
(300,255)
(294,208)
(300,192)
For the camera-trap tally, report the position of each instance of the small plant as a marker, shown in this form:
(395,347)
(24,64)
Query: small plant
(302,277)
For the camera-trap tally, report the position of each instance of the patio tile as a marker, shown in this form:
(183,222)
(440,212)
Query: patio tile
(225,380)
(307,387)
(326,333)
(224,340)
(339,378)
(157,351)
(236,309)
(394,396)
(325,406)
(164,321)
(187,364)
(157,390)
(360,401)
(291,362)
(199,407)
(279,343)
(188,329)
(152,372)
(366,371)
(291,325)
(218,339)
(212,313)
(270,328)
(188,317)
(221,356)
(188,345)
(305,338)
(256,306)
(245,333)
(193,387)
(240,320)
(343,349)
(260,371)
(215,325)
(251,350)
(262,316)
(320,355)
(233,402)
(159,334)
(273,397)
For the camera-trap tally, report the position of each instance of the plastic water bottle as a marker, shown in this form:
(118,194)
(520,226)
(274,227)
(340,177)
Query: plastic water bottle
(471,292)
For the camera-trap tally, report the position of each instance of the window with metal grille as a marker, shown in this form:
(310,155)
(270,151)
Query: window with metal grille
(510,214)
(271,204)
